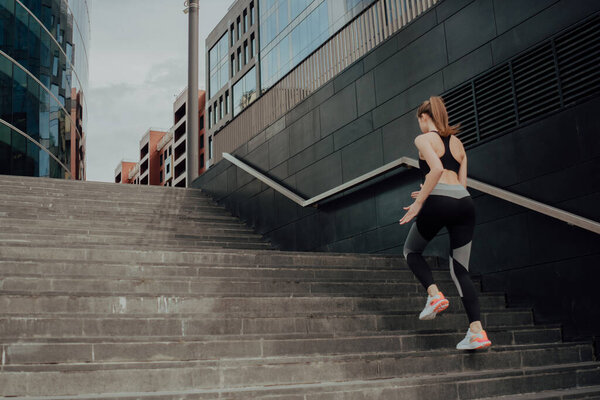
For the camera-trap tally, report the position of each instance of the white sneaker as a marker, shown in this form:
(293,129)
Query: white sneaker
(474,341)
(434,306)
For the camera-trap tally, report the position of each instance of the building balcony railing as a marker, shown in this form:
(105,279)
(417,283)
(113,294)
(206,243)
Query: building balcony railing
(373,26)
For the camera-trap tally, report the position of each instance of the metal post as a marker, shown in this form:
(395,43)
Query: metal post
(192,101)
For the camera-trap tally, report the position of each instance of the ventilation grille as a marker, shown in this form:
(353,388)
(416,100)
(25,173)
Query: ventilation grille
(495,102)
(536,83)
(460,106)
(556,73)
(578,53)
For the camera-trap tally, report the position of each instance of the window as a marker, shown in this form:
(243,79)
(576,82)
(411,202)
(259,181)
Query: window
(210,147)
(252,46)
(245,21)
(227,102)
(232,35)
(246,52)
(244,91)
(160,161)
(202,160)
(232,65)
(238,28)
(201,122)
(217,60)
(161,175)
(215,113)
(209,118)
(251,13)
(221,107)
(201,141)
(239,59)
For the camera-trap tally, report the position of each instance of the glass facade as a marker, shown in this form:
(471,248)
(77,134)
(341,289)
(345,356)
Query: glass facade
(217,58)
(292,29)
(244,91)
(43,78)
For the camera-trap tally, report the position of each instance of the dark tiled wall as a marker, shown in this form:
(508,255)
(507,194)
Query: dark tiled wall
(365,117)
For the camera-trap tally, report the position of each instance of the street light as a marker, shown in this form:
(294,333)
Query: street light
(192,101)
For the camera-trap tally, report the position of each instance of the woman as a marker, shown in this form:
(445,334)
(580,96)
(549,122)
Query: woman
(443,201)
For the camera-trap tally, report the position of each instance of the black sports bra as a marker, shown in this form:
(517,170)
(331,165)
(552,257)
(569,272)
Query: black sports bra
(448,160)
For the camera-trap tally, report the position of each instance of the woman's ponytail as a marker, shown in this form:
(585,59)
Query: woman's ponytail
(436,109)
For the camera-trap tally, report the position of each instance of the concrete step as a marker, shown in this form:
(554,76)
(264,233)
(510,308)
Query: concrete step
(210,257)
(19,356)
(589,393)
(109,215)
(42,208)
(250,305)
(117,225)
(24,326)
(107,197)
(504,335)
(66,186)
(214,245)
(209,286)
(158,232)
(176,240)
(320,382)
(77,269)
(12,200)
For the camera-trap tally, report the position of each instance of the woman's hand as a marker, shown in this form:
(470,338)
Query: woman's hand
(412,212)
(416,193)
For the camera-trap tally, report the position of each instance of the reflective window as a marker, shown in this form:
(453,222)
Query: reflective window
(251,13)
(245,21)
(292,29)
(218,65)
(244,91)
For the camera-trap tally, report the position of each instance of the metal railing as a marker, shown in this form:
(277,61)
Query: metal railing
(373,26)
(562,215)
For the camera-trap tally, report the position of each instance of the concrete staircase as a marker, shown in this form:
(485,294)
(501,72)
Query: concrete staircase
(125,292)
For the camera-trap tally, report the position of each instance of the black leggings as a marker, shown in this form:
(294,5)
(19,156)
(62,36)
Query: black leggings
(450,206)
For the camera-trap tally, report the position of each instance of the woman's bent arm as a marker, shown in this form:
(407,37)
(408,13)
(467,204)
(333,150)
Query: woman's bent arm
(462,172)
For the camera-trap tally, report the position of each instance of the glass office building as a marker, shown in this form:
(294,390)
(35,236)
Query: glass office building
(43,78)
(292,29)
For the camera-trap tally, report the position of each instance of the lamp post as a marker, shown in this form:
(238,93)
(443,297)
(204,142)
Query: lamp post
(192,100)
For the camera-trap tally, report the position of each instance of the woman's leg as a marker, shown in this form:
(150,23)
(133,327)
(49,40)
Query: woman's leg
(425,227)
(461,235)
(460,243)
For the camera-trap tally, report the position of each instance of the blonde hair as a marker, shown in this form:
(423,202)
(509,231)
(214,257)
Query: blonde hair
(435,108)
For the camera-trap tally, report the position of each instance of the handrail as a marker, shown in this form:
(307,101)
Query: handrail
(557,213)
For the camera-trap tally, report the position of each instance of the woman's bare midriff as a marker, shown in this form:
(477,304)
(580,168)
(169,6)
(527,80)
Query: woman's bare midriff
(449,177)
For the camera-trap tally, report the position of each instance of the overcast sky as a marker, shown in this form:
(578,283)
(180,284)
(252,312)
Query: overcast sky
(138,65)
